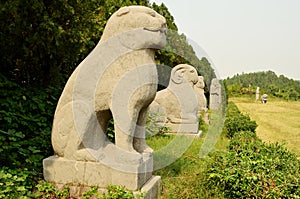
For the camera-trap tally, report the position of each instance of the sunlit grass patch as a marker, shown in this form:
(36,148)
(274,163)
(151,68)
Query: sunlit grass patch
(278,120)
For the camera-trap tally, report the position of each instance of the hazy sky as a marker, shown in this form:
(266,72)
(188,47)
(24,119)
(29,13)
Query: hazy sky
(243,35)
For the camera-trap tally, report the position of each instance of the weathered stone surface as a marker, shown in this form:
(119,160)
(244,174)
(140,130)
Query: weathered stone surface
(118,80)
(215,94)
(257,93)
(152,187)
(178,102)
(264,98)
(64,171)
(199,91)
(202,101)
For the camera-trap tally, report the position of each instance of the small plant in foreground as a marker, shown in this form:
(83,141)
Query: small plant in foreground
(47,190)
(15,183)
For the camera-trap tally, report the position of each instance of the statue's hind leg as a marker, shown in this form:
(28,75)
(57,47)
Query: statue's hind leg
(139,140)
(124,125)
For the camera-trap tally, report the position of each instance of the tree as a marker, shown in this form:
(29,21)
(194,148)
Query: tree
(43,41)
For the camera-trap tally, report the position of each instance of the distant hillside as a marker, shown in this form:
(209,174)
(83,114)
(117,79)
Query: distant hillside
(269,83)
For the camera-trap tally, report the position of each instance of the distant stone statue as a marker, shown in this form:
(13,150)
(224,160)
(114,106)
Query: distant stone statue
(202,101)
(118,80)
(264,98)
(215,94)
(178,101)
(199,91)
(257,93)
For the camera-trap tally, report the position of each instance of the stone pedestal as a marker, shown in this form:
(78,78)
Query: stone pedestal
(132,176)
(80,175)
(181,128)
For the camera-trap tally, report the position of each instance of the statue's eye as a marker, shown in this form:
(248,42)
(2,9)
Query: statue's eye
(192,71)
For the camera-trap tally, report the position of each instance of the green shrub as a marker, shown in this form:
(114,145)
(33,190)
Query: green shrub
(253,169)
(15,183)
(235,121)
(25,124)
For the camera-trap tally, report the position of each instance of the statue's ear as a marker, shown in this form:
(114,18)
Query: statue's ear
(123,11)
(177,74)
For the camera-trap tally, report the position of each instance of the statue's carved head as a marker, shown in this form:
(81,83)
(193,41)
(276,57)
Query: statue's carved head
(200,83)
(184,72)
(139,27)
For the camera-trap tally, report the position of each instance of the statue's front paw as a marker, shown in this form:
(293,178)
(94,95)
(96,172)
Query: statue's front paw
(148,150)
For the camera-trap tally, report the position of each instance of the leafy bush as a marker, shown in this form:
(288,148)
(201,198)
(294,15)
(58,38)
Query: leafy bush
(25,124)
(236,121)
(253,169)
(15,183)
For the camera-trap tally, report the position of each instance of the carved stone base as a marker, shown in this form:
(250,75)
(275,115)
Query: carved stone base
(131,175)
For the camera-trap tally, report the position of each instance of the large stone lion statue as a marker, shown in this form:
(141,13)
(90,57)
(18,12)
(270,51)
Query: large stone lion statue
(118,80)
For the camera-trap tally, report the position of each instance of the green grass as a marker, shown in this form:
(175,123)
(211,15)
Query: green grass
(278,120)
(183,178)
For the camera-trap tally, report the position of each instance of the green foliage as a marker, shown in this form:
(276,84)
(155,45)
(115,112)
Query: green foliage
(43,41)
(152,128)
(40,39)
(115,192)
(25,127)
(47,190)
(235,121)
(111,131)
(253,169)
(15,183)
(269,82)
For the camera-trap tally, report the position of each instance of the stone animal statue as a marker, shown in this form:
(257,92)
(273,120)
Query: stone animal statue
(264,98)
(178,100)
(118,80)
(199,91)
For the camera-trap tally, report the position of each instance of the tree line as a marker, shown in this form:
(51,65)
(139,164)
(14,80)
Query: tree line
(269,83)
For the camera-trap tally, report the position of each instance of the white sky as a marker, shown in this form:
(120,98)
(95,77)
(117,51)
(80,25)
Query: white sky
(243,35)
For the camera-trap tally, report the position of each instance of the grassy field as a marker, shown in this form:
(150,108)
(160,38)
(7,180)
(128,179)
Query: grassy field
(278,120)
